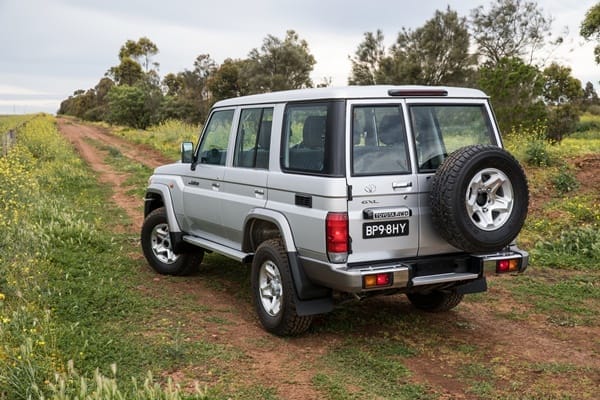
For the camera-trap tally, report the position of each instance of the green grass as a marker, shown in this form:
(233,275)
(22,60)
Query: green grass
(165,137)
(68,292)
(137,174)
(371,368)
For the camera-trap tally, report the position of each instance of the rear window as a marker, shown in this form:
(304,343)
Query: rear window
(441,129)
(379,141)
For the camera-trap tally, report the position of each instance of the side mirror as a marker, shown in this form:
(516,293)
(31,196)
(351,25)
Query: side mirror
(187,152)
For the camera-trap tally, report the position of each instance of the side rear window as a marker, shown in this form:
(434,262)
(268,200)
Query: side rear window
(254,138)
(304,137)
(213,146)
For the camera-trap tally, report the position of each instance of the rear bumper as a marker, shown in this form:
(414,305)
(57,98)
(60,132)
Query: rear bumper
(413,274)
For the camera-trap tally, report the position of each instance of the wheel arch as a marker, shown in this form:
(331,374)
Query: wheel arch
(159,196)
(261,224)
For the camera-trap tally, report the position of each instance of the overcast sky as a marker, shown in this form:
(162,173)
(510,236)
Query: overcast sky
(50,48)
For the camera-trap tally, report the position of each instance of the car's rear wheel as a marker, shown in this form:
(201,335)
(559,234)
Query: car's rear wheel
(435,301)
(158,248)
(273,291)
(479,198)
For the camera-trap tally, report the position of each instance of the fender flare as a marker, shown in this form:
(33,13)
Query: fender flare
(311,298)
(278,219)
(163,192)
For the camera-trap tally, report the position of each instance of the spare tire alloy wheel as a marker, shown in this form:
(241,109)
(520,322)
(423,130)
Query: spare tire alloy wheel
(489,199)
(479,198)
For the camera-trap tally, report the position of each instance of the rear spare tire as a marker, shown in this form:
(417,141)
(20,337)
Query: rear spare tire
(479,198)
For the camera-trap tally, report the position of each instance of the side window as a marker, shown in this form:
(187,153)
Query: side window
(303,142)
(213,147)
(253,138)
(379,141)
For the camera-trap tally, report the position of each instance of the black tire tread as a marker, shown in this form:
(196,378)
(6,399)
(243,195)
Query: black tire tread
(188,262)
(436,301)
(291,323)
(447,215)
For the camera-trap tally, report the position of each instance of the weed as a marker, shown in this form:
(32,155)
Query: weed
(564,181)
(578,247)
(564,300)
(536,153)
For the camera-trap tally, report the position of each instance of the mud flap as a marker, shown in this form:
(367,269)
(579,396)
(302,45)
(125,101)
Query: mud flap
(474,286)
(310,299)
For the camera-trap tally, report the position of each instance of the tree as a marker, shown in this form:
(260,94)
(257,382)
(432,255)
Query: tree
(510,29)
(140,51)
(134,63)
(590,97)
(279,65)
(515,89)
(225,82)
(560,86)
(366,63)
(128,72)
(563,93)
(436,53)
(91,104)
(134,106)
(187,92)
(590,28)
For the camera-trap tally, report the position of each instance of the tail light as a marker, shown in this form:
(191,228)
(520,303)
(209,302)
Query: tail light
(337,237)
(508,265)
(377,280)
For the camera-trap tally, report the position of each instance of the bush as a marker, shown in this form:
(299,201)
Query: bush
(536,153)
(576,248)
(564,181)
(562,121)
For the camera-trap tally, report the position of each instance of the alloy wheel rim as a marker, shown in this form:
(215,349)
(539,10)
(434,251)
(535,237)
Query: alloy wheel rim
(270,288)
(161,244)
(489,199)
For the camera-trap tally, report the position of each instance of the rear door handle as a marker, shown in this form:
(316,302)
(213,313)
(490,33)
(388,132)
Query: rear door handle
(259,192)
(401,185)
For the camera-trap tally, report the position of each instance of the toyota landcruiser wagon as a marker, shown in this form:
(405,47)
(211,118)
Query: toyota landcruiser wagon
(333,192)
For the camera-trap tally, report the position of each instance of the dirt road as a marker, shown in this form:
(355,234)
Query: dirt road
(483,330)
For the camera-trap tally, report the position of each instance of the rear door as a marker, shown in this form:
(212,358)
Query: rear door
(439,129)
(245,183)
(383,199)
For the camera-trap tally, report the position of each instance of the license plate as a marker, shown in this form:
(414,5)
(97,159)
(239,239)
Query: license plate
(373,230)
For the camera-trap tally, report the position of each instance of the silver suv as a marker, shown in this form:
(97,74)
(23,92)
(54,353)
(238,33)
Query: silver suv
(337,192)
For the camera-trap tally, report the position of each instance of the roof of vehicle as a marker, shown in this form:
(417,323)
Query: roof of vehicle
(355,92)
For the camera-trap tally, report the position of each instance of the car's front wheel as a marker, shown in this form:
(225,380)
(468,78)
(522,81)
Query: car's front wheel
(158,248)
(273,291)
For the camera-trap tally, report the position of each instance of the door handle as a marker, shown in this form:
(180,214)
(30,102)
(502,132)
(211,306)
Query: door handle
(401,185)
(216,186)
(259,192)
